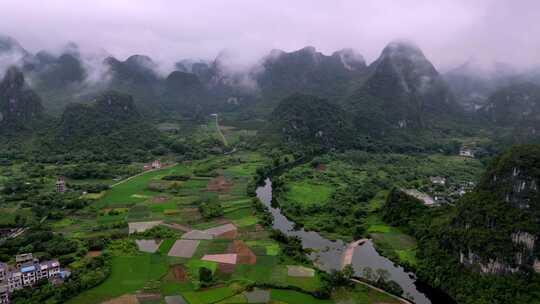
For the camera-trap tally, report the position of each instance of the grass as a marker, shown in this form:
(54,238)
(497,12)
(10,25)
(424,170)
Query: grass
(308,193)
(393,243)
(295,297)
(209,296)
(194,265)
(135,190)
(247,221)
(271,248)
(308,283)
(129,274)
(379,228)
(236,299)
(362,294)
(407,255)
(66,222)
(165,246)
(258,272)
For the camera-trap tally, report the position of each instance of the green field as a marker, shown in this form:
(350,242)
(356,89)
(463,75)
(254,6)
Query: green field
(392,242)
(309,193)
(295,297)
(148,197)
(136,189)
(129,274)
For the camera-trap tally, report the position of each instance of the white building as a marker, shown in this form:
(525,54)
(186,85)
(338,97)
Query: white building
(24,258)
(465,152)
(438,180)
(3,272)
(4,294)
(156,164)
(27,273)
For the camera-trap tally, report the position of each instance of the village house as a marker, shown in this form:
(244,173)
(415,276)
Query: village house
(27,272)
(466,152)
(24,258)
(3,271)
(4,295)
(60,184)
(155,164)
(438,180)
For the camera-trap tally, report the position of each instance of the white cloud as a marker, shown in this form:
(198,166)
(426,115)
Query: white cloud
(448,31)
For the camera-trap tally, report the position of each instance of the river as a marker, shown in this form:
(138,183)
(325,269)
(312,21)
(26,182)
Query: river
(328,255)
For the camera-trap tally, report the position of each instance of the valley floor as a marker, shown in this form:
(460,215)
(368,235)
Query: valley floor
(159,277)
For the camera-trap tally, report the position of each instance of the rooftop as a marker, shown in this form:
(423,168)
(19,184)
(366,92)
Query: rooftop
(23,257)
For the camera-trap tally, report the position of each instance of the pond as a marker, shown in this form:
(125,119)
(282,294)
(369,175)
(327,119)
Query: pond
(329,255)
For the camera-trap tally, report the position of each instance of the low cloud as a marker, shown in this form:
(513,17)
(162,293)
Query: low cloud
(448,31)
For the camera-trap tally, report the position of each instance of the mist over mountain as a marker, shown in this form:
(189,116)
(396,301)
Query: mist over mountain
(309,71)
(403,90)
(401,72)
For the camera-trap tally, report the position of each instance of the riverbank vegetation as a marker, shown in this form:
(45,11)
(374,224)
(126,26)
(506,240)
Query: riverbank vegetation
(339,194)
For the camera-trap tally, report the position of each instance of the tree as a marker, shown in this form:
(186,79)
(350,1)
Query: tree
(367,273)
(382,274)
(205,276)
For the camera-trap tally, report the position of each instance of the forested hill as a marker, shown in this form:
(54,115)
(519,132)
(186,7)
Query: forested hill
(497,226)
(108,125)
(308,71)
(403,90)
(484,249)
(19,105)
(310,121)
(516,106)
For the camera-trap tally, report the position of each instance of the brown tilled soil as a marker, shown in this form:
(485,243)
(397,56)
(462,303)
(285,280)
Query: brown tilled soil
(179,272)
(125,299)
(158,199)
(245,255)
(219,184)
(226,268)
(93,254)
(148,297)
(229,235)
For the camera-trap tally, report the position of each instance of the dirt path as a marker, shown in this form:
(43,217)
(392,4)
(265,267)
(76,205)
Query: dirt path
(346,258)
(175,226)
(221,133)
(382,291)
(139,174)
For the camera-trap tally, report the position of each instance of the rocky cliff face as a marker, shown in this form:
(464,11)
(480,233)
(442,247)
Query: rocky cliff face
(514,177)
(498,226)
(19,105)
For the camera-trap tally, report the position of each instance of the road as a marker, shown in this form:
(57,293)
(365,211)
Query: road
(220,133)
(138,174)
(402,300)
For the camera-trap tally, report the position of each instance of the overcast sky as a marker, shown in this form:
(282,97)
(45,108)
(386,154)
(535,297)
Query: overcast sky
(448,31)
